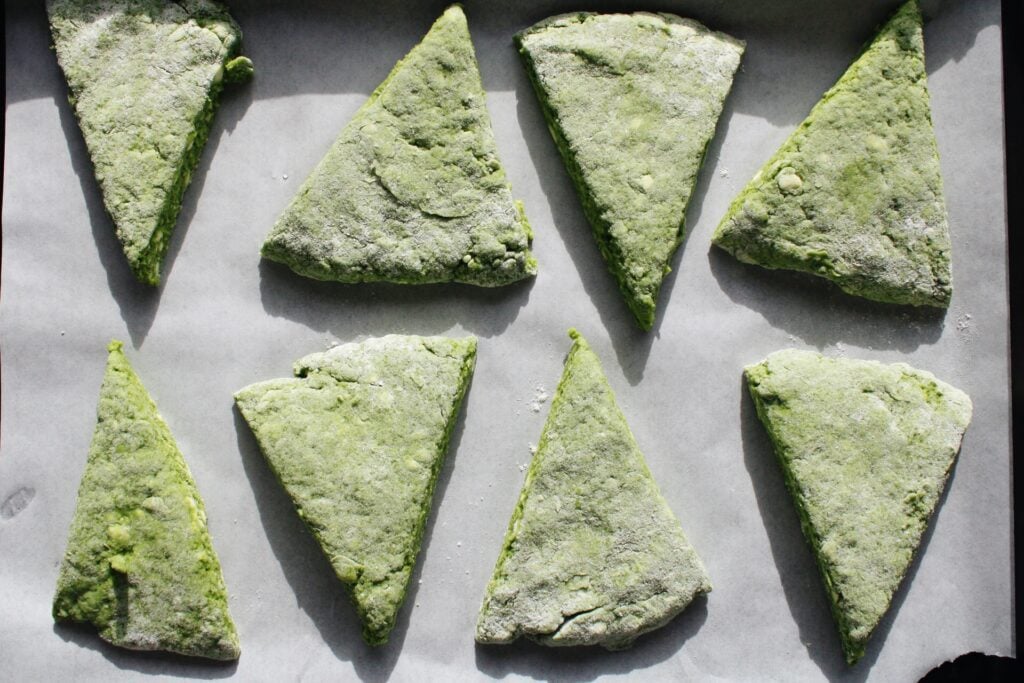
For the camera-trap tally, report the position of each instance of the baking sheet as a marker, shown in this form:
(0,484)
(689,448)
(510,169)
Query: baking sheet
(223,319)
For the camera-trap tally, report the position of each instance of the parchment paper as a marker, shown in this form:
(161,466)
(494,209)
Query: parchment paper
(223,319)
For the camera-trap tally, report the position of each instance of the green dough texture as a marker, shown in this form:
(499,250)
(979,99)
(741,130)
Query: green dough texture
(855,194)
(593,554)
(866,449)
(632,101)
(139,565)
(144,79)
(412,190)
(357,439)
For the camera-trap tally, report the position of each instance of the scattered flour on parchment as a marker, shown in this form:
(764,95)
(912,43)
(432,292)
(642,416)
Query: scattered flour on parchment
(540,397)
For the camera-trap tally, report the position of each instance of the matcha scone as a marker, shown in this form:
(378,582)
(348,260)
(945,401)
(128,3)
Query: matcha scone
(412,190)
(357,439)
(632,101)
(593,554)
(855,194)
(139,565)
(866,449)
(144,78)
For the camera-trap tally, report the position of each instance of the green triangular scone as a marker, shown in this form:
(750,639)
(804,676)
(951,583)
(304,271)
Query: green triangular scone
(412,190)
(593,554)
(357,439)
(144,79)
(866,449)
(632,101)
(855,194)
(139,565)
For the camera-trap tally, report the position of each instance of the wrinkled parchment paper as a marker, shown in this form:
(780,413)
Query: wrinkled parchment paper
(223,319)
